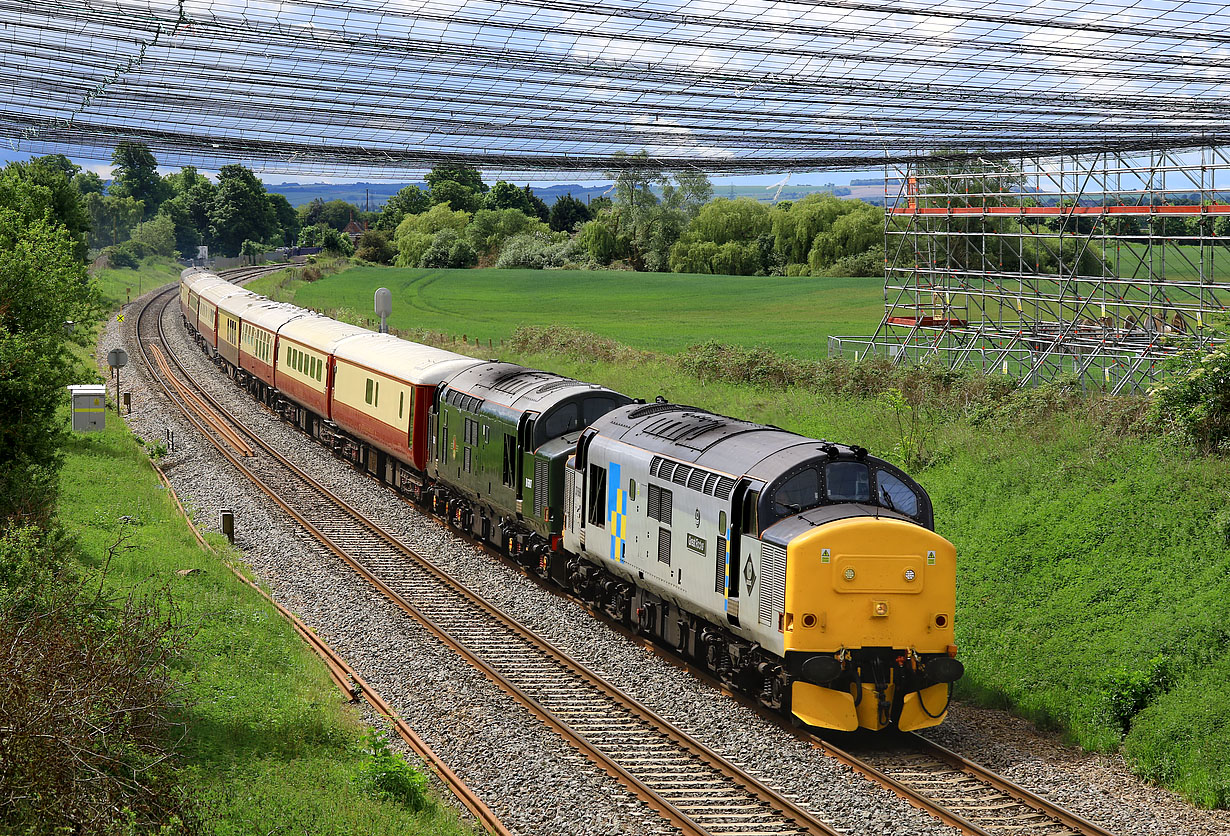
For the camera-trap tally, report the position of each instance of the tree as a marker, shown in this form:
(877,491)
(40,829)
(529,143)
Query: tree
(568,213)
(461,187)
(465,176)
(598,239)
(336,242)
(239,211)
(725,237)
(507,196)
(374,246)
(158,235)
(42,283)
(189,208)
(455,195)
(136,176)
(417,232)
(489,229)
(411,200)
(252,250)
(538,206)
(285,216)
(41,188)
(87,182)
(112,219)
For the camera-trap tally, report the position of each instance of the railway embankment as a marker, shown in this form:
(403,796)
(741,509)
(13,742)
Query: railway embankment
(244,731)
(1093,587)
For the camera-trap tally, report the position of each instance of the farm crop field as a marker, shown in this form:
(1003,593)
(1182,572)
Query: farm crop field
(661,312)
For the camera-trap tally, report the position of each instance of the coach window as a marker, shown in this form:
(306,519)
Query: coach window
(597,496)
(848,482)
(896,494)
(371,388)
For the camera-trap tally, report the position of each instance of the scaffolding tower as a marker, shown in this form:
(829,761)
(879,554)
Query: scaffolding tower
(1098,267)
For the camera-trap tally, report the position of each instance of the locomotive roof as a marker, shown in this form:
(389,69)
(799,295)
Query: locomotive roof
(422,365)
(520,388)
(716,442)
(320,332)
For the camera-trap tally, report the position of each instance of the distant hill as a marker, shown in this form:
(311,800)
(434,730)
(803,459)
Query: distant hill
(376,194)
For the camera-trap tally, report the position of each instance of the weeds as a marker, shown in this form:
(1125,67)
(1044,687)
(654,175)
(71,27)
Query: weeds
(384,774)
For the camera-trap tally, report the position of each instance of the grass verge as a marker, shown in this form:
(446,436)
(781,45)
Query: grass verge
(268,744)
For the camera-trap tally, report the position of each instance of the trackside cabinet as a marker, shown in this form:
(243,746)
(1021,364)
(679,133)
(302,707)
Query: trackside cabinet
(89,407)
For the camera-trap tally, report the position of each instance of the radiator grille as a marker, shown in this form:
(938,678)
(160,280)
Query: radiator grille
(664,546)
(772,583)
(719,574)
(540,486)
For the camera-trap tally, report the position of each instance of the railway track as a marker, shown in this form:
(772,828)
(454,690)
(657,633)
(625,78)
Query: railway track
(959,792)
(692,787)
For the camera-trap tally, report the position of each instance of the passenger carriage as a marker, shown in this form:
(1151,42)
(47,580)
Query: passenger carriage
(383,392)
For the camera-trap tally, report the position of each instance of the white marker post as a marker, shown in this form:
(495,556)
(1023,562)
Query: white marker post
(384,307)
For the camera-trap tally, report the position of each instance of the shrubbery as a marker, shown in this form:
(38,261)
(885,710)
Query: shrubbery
(1194,401)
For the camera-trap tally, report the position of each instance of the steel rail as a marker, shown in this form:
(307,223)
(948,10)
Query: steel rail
(759,795)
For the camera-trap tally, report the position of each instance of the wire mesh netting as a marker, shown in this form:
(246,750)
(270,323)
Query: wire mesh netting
(381,88)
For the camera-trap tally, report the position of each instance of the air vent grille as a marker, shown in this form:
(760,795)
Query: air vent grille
(719,574)
(772,583)
(540,486)
(664,546)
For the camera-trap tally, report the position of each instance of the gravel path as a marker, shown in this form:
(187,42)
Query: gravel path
(529,777)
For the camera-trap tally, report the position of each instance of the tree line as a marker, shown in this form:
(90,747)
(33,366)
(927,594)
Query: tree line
(652,220)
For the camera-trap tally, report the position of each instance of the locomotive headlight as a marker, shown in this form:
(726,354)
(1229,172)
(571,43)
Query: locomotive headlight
(849,573)
(879,609)
(909,574)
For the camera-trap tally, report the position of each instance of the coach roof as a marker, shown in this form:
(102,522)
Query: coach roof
(422,365)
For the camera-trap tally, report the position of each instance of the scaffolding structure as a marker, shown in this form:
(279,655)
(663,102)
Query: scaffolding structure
(1098,267)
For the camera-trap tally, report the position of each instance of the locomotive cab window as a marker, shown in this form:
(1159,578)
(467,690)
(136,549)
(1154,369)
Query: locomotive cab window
(798,493)
(562,420)
(895,494)
(848,482)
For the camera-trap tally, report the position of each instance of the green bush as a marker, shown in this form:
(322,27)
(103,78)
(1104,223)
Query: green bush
(385,774)
(1194,401)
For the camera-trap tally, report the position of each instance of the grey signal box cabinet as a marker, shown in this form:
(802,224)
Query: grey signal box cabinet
(89,407)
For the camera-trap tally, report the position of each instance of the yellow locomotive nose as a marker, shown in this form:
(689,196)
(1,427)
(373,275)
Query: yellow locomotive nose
(871,600)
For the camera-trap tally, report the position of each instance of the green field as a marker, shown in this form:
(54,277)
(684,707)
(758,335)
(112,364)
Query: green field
(662,312)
